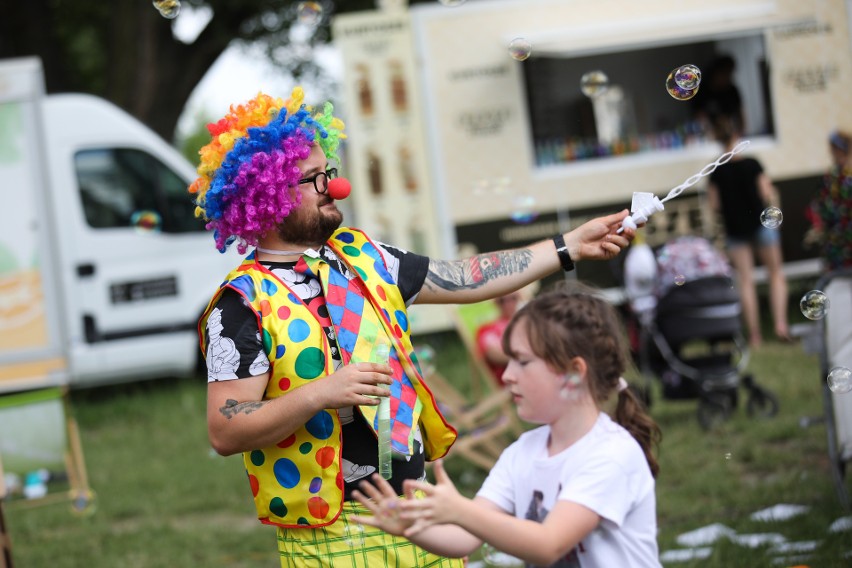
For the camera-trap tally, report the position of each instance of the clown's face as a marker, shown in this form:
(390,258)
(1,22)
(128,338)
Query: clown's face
(317,216)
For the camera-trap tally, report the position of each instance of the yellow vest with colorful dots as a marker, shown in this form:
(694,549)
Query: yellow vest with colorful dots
(298,482)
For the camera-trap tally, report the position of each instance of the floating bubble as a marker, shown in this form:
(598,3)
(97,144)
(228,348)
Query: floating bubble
(452,3)
(309,13)
(676,91)
(687,77)
(840,380)
(680,280)
(524,209)
(594,83)
(146,221)
(520,49)
(168,9)
(814,304)
(771,218)
(727,455)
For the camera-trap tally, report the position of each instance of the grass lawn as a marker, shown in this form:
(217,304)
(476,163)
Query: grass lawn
(164,501)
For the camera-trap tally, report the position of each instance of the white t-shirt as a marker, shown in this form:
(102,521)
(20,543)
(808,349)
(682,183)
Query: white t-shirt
(605,471)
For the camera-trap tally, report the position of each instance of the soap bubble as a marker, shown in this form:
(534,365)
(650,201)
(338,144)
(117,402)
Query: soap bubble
(771,218)
(524,209)
(840,380)
(814,304)
(309,13)
(680,280)
(687,77)
(676,91)
(520,49)
(168,9)
(452,3)
(727,455)
(594,83)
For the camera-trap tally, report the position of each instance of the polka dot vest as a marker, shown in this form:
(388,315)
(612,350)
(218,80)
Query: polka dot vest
(298,482)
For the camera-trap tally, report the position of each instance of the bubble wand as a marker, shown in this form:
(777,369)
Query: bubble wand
(384,429)
(646,204)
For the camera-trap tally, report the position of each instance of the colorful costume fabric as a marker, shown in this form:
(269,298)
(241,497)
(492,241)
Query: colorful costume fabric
(831,212)
(299,481)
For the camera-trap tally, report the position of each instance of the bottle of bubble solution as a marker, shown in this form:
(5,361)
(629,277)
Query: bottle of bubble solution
(384,431)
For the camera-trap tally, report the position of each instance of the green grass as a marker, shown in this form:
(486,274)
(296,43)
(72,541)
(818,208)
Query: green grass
(163,500)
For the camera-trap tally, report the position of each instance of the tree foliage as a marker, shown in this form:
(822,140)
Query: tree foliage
(125,50)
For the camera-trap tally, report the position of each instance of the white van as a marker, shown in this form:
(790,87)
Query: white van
(104,269)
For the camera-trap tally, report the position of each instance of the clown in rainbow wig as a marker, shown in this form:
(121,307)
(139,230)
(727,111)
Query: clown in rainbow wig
(249,171)
(291,337)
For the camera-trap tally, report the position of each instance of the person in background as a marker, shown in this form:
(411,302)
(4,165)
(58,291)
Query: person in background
(830,213)
(719,97)
(489,336)
(740,191)
(577,491)
(292,336)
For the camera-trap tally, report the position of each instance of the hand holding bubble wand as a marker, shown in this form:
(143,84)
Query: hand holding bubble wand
(646,204)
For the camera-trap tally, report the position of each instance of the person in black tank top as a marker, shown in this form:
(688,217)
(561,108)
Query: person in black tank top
(740,191)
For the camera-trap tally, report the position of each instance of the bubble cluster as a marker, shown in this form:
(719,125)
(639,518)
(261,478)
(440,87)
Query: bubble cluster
(520,49)
(839,380)
(771,218)
(309,13)
(687,77)
(676,91)
(594,83)
(814,304)
(168,9)
(524,209)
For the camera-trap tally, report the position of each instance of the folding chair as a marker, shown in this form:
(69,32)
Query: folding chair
(475,404)
(37,435)
(5,542)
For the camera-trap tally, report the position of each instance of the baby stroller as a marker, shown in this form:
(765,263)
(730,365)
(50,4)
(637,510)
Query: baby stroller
(689,330)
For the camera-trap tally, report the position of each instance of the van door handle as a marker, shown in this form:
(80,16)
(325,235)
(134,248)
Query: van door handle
(85,269)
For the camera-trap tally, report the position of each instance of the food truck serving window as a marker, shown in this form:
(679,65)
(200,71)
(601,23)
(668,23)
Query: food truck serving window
(633,111)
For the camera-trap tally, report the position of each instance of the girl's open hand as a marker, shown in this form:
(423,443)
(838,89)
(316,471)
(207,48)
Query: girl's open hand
(436,504)
(380,498)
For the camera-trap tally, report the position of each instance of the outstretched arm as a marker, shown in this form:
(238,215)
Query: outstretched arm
(489,275)
(536,543)
(445,522)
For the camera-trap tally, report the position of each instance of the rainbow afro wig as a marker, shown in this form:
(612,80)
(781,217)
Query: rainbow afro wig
(249,171)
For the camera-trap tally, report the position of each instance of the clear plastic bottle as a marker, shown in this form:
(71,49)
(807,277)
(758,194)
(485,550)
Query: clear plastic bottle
(384,430)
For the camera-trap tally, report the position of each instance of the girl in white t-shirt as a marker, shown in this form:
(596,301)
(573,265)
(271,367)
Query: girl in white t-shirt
(577,491)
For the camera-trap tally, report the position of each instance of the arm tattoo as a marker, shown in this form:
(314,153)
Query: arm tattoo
(476,271)
(232,407)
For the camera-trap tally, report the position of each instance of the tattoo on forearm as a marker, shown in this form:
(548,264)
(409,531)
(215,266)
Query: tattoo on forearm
(232,407)
(476,271)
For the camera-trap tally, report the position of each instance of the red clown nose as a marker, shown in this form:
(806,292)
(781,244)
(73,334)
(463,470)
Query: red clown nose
(339,188)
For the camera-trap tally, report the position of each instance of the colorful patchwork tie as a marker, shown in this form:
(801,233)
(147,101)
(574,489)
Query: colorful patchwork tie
(358,330)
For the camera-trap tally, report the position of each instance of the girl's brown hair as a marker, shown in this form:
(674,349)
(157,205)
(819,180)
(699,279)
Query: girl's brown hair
(571,320)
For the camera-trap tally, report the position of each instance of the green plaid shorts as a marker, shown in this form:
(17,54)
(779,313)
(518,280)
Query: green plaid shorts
(345,544)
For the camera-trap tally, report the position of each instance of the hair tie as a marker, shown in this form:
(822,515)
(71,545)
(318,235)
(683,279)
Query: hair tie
(622,384)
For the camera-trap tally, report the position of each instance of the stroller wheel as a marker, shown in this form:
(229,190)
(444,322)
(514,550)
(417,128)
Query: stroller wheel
(761,403)
(713,410)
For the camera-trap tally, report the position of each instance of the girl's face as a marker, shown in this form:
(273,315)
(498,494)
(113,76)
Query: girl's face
(534,386)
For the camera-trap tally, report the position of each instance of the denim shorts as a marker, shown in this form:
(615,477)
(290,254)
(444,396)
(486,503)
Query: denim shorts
(763,237)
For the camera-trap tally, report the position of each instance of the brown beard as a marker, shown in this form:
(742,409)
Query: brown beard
(311,228)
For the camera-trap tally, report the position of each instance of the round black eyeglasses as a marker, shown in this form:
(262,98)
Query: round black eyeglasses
(320,179)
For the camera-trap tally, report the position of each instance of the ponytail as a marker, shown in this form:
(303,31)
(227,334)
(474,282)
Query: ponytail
(631,415)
